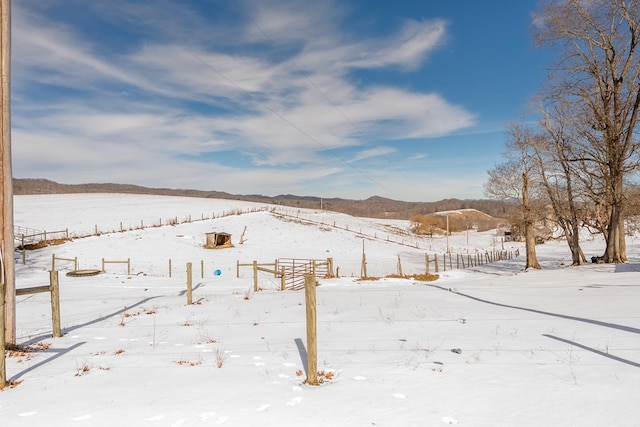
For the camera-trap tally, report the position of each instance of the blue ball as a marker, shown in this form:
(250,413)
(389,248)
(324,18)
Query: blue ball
(217,272)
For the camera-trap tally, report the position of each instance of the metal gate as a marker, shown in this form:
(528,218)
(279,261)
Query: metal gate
(295,269)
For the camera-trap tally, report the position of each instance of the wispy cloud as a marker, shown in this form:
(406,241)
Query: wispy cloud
(152,101)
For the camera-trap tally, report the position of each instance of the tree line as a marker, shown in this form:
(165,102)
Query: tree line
(575,162)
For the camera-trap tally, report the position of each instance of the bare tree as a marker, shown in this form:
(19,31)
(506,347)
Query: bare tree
(553,152)
(598,74)
(512,180)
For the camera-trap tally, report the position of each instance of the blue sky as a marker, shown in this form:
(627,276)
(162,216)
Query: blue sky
(401,99)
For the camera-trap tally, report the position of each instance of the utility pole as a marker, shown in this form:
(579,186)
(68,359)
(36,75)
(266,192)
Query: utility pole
(7,273)
(447,233)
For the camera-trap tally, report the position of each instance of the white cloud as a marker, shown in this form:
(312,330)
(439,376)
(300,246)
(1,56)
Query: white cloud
(290,97)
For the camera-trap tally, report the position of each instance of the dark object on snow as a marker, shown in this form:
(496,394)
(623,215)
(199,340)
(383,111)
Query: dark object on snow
(597,259)
(456,350)
(82,273)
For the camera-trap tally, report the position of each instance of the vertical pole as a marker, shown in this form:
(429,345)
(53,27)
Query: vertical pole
(169,267)
(363,267)
(447,234)
(54,284)
(129,266)
(399,267)
(189,285)
(312,339)
(202,269)
(255,276)
(6,177)
(283,281)
(3,367)
(426,261)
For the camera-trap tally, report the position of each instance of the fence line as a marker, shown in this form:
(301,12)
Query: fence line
(31,234)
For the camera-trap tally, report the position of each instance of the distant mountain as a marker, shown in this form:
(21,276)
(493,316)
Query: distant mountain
(373,207)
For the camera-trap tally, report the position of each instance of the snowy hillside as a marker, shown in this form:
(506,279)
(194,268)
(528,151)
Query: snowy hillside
(488,346)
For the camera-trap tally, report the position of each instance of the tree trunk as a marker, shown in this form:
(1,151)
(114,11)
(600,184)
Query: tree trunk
(529,226)
(616,249)
(574,245)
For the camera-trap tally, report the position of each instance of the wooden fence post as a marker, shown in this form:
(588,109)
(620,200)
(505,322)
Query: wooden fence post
(189,285)
(363,266)
(312,339)
(202,269)
(169,267)
(255,276)
(3,360)
(399,266)
(55,303)
(283,281)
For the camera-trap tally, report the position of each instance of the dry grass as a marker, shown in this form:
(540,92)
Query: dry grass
(425,277)
(42,244)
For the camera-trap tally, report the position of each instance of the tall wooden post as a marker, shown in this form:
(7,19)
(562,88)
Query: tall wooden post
(6,178)
(189,284)
(312,338)
(255,276)
(54,284)
(363,266)
(3,368)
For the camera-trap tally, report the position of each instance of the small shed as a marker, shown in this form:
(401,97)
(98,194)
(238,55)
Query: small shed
(217,240)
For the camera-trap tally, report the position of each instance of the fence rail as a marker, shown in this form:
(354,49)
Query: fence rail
(30,236)
(295,270)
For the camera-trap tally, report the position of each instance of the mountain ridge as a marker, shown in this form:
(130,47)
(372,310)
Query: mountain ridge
(372,207)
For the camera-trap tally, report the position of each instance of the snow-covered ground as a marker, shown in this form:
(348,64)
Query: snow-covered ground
(488,346)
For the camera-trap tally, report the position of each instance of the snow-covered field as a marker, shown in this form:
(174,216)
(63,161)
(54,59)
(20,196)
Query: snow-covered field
(556,347)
